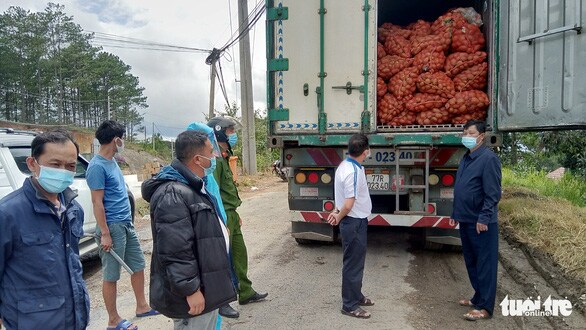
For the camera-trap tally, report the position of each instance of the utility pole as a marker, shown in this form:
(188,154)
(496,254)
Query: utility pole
(246,104)
(211,61)
(153,136)
(212,88)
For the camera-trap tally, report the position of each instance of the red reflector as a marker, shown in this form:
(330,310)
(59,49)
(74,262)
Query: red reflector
(313,177)
(430,208)
(328,206)
(448,180)
(289,156)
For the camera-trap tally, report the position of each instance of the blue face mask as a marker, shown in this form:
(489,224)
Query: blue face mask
(469,142)
(55,180)
(233,139)
(209,170)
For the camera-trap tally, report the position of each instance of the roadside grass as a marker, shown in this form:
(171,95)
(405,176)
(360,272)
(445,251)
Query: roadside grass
(548,216)
(569,187)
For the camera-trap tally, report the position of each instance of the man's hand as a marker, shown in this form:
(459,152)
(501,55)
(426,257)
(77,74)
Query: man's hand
(481,227)
(196,303)
(333,218)
(106,241)
(452,222)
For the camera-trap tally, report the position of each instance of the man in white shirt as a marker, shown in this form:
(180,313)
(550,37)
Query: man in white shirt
(353,206)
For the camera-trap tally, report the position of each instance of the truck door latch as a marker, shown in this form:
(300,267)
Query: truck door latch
(348,88)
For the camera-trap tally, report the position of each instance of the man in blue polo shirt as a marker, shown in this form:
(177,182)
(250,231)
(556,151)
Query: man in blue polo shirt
(115,227)
(477,192)
(353,206)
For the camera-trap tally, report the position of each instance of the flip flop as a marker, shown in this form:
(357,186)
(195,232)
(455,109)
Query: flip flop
(123,325)
(465,302)
(149,313)
(366,302)
(475,315)
(357,313)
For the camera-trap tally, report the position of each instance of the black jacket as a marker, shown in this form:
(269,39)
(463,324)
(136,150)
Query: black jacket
(189,249)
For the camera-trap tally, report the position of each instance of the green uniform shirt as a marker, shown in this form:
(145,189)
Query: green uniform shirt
(225,178)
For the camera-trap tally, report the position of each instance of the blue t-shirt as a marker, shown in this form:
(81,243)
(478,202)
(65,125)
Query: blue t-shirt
(104,174)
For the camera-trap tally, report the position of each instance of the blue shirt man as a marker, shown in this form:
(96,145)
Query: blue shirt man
(41,284)
(477,192)
(114,224)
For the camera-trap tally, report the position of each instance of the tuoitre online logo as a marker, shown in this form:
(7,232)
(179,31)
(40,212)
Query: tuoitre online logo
(534,307)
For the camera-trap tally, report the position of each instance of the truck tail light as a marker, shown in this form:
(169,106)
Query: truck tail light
(448,180)
(300,177)
(329,206)
(431,208)
(433,179)
(313,177)
(326,178)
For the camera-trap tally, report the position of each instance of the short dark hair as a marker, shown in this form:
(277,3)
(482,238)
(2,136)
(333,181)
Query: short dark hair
(189,143)
(109,130)
(357,144)
(480,125)
(55,136)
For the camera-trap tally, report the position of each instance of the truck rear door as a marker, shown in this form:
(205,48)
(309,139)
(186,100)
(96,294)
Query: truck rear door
(326,45)
(541,73)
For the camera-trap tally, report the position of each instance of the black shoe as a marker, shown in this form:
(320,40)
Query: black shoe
(228,311)
(255,297)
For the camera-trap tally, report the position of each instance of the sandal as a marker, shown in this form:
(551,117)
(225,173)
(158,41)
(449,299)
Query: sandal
(123,325)
(475,314)
(358,313)
(465,302)
(365,302)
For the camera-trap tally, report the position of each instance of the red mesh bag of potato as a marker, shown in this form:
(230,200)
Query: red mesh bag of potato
(404,83)
(420,28)
(381,87)
(403,119)
(429,61)
(458,62)
(436,116)
(448,22)
(436,83)
(380,51)
(467,39)
(383,34)
(425,102)
(472,78)
(397,45)
(390,65)
(388,107)
(434,42)
(467,102)
(396,30)
(462,119)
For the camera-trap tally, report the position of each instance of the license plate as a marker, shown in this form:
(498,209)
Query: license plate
(391,156)
(378,181)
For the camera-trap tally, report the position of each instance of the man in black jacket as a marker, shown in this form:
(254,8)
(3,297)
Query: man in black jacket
(190,271)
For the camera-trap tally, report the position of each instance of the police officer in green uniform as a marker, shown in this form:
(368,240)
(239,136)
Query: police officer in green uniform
(225,130)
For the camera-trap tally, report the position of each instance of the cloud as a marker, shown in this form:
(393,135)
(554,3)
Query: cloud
(111,11)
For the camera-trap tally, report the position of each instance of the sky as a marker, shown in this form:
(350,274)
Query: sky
(177,85)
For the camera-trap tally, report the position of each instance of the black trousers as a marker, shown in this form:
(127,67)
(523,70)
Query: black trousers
(481,257)
(353,232)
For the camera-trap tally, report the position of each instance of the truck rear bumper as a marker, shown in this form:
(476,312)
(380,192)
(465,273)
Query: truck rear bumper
(425,221)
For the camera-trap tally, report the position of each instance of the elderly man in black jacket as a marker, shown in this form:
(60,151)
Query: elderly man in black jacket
(190,271)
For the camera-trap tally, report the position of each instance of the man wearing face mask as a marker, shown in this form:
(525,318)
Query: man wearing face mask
(353,206)
(190,271)
(477,191)
(225,130)
(114,224)
(41,284)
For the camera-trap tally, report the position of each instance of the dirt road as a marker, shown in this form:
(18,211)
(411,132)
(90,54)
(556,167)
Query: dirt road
(412,288)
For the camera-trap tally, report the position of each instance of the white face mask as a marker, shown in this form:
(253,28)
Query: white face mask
(367,153)
(120,148)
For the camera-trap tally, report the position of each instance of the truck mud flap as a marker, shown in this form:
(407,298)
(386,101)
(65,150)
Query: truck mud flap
(313,231)
(436,238)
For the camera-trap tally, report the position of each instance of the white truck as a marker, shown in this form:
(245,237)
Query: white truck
(322,88)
